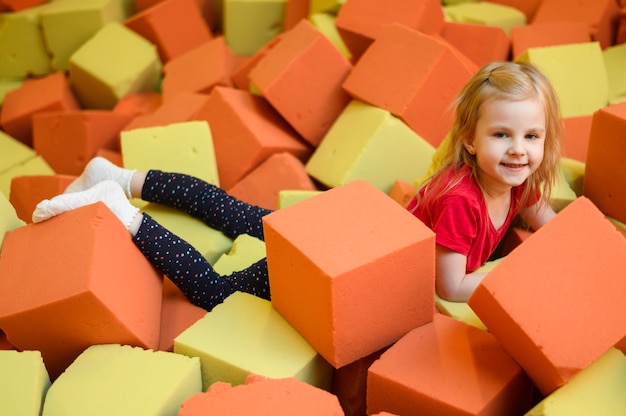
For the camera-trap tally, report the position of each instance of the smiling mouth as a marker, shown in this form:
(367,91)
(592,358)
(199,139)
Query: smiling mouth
(514,165)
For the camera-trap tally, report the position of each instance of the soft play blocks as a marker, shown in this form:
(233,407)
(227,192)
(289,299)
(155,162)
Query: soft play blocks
(232,342)
(402,192)
(177,314)
(246,130)
(24,383)
(16,5)
(174,26)
(605,178)
(68,140)
(9,219)
(575,133)
(66,25)
(98,287)
(359,21)
(278,397)
(546,302)
(301,77)
(27,191)
(547,34)
(22,48)
(249,25)
(577,73)
(185,147)
(486,13)
(595,390)
(113,63)
(325,23)
(482,44)
(14,153)
(419,87)
(113,379)
(369,143)
(48,93)
(245,251)
(447,368)
(31,166)
(528,7)
(352,285)
(614,61)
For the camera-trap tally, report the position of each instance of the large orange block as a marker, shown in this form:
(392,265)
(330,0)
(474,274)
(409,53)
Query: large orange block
(556,302)
(48,93)
(446,367)
(177,314)
(174,26)
(482,44)
(605,170)
(351,270)
(359,21)
(575,137)
(28,190)
(412,75)
(74,281)
(68,140)
(547,34)
(301,76)
(246,130)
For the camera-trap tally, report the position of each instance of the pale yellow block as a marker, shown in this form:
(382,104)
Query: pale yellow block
(33,166)
(485,13)
(290,197)
(618,224)
(369,143)
(14,152)
(245,335)
(596,390)
(325,23)
(67,24)
(436,160)
(562,194)
(577,73)
(111,379)
(22,48)
(24,382)
(615,63)
(113,63)
(251,24)
(7,85)
(574,174)
(8,221)
(210,242)
(245,251)
(325,6)
(185,147)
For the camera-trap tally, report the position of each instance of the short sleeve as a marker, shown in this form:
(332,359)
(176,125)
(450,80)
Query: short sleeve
(455,221)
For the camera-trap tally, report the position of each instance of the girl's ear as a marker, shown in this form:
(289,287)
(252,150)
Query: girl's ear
(469,147)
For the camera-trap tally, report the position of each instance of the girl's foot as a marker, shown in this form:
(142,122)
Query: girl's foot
(107,191)
(100,169)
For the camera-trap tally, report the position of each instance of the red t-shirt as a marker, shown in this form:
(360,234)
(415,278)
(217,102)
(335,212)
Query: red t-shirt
(461,222)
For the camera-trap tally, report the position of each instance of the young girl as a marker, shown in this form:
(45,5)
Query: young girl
(502,159)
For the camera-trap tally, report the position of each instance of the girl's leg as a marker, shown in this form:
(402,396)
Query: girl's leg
(190,271)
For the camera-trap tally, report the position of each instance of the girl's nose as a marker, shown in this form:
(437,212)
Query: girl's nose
(517,147)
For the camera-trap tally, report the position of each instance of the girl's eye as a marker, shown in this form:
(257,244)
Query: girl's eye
(531,136)
(500,134)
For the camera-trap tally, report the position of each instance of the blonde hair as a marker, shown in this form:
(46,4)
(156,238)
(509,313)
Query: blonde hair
(501,81)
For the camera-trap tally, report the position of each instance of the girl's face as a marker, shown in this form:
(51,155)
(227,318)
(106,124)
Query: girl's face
(508,142)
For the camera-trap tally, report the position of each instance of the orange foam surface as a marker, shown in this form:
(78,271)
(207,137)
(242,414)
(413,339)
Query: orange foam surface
(17,5)
(402,192)
(343,280)
(547,301)
(548,34)
(88,284)
(480,43)
(447,368)
(575,137)
(177,314)
(27,191)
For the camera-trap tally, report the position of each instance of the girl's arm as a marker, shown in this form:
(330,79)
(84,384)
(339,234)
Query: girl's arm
(538,214)
(451,281)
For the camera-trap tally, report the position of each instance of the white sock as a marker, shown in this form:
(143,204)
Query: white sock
(100,169)
(107,191)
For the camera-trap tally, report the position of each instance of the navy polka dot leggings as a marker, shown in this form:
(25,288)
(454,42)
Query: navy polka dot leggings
(182,263)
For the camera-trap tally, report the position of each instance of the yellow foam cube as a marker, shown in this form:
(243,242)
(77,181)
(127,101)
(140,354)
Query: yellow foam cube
(245,251)
(24,382)
(251,24)
(68,24)
(288,197)
(574,174)
(562,194)
(22,48)
(577,72)
(111,379)
(486,13)
(245,335)
(113,63)
(596,390)
(14,152)
(615,62)
(325,23)
(369,143)
(185,147)
(33,166)
(325,6)
(8,219)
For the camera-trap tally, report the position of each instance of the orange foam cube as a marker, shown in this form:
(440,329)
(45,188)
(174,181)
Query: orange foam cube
(575,136)
(402,192)
(139,103)
(446,367)
(280,171)
(48,93)
(200,69)
(538,35)
(27,191)
(351,285)
(17,5)
(482,44)
(605,170)
(89,285)
(174,26)
(301,76)
(547,301)
(599,15)
(246,130)
(412,75)
(240,75)
(177,314)
(68,140)
(359,21)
